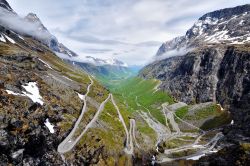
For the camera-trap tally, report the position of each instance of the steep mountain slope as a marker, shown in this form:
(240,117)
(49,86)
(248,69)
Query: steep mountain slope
(211,64)
(205,62)
(31,25)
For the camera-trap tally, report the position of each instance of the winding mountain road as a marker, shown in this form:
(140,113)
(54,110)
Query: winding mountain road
(129,143)
(67,144)
(133,126)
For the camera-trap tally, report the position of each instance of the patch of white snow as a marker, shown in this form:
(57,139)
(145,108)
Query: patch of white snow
(50,126)
(9,39)
(20,37)
(80,96)
(2,39)
(196,157)
(13,93)
(32,91)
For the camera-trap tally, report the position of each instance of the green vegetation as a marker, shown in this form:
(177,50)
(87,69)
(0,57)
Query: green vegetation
(141,94)
(110,116)
(184,153)
(175,143)
(182,112)
(207,111)
(210,116)
(222,119)
(245,146)
(145,129)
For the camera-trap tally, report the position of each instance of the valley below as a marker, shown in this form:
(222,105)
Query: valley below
(192,108)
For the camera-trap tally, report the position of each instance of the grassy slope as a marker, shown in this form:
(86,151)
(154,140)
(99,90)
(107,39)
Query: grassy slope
(216,117)
(131,88)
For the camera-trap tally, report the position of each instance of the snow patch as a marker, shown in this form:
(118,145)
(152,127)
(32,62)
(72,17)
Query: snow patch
(196,157)
(33,92)
(244,13)
(80,96)
(17,153)
(2,39)
(20,37)
(13,93)
(241,22)
(49,126)
(9,39)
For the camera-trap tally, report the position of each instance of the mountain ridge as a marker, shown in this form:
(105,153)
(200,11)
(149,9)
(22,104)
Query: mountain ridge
(213,28)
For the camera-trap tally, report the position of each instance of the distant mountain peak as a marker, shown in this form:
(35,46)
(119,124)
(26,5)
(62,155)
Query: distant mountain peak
(32,17)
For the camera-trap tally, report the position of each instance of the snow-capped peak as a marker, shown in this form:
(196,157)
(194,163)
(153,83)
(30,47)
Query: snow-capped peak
(227,26)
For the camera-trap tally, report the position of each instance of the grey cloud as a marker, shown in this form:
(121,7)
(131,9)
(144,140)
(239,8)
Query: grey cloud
(96,51)
(95,40)
(18,24)
(149,44)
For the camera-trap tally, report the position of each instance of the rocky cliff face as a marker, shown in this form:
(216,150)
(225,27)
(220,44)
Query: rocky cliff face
(214,67)
(205,74)
(215,64)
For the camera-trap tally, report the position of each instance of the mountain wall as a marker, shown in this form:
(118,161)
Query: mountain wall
(214,66)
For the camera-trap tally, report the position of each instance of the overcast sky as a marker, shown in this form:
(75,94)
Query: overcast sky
(129,30)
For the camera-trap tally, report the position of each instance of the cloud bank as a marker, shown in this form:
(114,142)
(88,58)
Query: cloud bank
(22,26)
